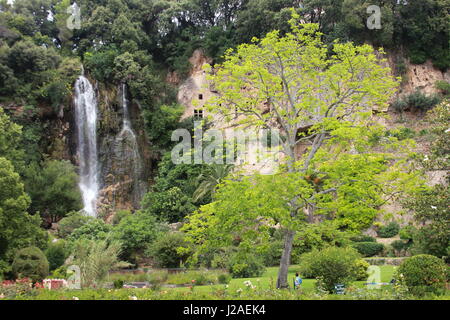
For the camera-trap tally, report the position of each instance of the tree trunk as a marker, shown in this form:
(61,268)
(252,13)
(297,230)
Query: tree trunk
(282,281)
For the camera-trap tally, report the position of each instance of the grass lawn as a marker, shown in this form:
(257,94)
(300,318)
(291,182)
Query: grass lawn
(269,278)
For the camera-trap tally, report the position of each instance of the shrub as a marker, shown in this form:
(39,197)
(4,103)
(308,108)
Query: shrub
(71,222)
(443,86)
(97,258)
(360,270)
(368,249)
(416,100)
(156,278)
(245,266)
(332,265)
(388,231)
(400,245)
(95,229)
(59,273)
(423,274)
(30,263)
(399,105)
(420,101)
(402,133)
(363,238)
(136,232)
(56,254)
(165,250)
(407,233)
(273,253)
(118,284)
(224,278)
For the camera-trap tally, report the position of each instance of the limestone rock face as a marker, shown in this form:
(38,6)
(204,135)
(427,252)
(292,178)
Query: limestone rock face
(195,90)
(124,155)
(423,77)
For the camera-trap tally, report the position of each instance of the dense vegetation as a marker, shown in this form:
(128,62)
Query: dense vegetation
(312,212)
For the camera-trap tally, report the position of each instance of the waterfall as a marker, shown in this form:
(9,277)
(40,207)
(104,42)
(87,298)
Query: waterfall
(129,149)
(126,127)
(86,122)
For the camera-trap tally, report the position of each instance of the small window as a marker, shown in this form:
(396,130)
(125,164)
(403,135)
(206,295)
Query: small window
(200,96)
(198,113)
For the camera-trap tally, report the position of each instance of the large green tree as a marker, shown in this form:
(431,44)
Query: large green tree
(53,189)
(320,99)
(18,229)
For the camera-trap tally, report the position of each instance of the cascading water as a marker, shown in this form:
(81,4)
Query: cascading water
(129,149)
(86,122)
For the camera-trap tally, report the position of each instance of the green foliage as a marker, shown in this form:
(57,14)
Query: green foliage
(18,229)
(407,232)
(101,63)
(224,278)
(53,189)
(11,141)
(56,254)
(317,236)
(72,221)
(166,250)
(368,249)
(137,231)
(245,265)
(161,123)
(431,209)
(360,270)
(401,245)
(416,101)
(423,273)
(30,263)
(95,259)
(388,231)
(209,179)
(95,229)
(118,284)
(119,215)
(272,254)
(402,133)
(333,265)
(169,206)
(444,87)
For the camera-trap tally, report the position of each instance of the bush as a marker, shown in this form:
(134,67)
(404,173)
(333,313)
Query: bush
(443,86)
(156,278)
(245,266)
(30,263)
(363,238)
(95,229)
(388,231)
(368,249)
(416,100)
(136,232)
(165,250)
(407,233)
(400,245)
(56,254)
(360,270)
(273,253)
(118,284)
(224,278)
(332,266)
(401,133)
(423,274)
(71,222)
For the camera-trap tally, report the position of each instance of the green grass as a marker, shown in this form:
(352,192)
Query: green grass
(236,290)
(269,278)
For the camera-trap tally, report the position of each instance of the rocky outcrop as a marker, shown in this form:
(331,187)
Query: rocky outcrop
(422,77)
(125,156)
